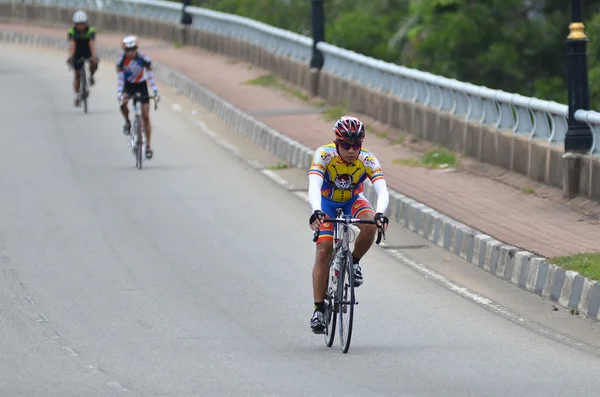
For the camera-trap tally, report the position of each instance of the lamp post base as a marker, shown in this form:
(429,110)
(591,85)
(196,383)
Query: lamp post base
(579,139)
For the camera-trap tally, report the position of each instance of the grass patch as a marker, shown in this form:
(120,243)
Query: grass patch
(529,190)
(279,166)
(440,159)
(271,81)
(177,44)
(382,135)
(266,80)
(433,159)
(334,112)
(408,162)
(399,141)
(588,265)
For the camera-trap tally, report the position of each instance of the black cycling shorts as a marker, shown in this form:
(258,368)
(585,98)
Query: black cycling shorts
(77,64)
(142,88)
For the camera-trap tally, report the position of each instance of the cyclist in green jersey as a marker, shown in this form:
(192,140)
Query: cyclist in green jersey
(82,44)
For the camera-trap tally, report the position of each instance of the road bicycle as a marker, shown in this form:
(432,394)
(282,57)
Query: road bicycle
(137,137)
(339,297)
(83,88)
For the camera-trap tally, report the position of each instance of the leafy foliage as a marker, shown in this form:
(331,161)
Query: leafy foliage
(512,45)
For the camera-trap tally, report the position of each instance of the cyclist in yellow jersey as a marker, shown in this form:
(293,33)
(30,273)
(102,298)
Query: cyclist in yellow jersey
(336,181)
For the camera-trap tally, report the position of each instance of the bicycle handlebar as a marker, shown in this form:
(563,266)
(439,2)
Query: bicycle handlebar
(76,60)
(352,221)
(138,97)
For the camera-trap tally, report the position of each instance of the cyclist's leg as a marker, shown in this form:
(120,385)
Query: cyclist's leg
(93,67)
(76,78)
(324,249)
(127,92)
(362,209)
(146,117)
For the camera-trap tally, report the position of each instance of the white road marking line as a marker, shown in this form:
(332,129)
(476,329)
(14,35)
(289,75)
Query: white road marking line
(229,146)
(204,128)
(72,353)
(117,386)
(485,302)
(40,318)
(277,178)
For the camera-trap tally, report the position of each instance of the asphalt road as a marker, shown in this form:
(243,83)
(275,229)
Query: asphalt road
(193,276)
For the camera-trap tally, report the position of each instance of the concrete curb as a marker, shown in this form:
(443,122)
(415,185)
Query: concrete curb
(511,264)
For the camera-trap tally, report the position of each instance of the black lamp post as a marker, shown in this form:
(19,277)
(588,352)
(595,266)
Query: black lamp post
(579,136)
(186,18)
(318,33)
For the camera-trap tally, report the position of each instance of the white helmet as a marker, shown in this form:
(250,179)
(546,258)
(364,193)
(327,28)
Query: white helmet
(129,42)
(80,17)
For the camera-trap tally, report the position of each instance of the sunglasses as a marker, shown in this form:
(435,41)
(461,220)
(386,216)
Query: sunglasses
(131,49)
(346,145)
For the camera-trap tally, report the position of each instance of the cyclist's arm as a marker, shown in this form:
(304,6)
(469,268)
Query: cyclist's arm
(120,80)
(92,41)
(150,73)
(120,75)
(71,43)
(376,176)
(383,196)
(93,47)
(315,183)
(315,178)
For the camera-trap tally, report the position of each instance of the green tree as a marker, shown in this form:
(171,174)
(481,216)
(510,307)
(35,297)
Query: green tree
(512,45)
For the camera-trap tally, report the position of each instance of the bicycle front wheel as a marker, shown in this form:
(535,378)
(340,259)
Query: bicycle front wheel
(83,89)
(346,301)
(139,143)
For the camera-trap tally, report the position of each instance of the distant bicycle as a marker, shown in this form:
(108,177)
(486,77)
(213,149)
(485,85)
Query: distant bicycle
(83,88)
(137,136)
(339,296)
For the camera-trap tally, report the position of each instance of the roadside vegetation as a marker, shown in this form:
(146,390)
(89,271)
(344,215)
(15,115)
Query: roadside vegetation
(588,265)
(514,45)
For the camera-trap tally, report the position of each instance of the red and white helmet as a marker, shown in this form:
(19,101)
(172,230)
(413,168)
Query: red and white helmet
(350,129)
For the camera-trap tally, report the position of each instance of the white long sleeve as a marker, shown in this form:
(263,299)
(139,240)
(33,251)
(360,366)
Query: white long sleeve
(315,183)
(383,196)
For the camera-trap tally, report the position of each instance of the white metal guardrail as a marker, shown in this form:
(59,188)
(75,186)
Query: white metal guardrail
(532,117)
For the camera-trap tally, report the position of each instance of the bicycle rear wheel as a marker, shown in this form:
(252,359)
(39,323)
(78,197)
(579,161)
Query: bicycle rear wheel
(346,301)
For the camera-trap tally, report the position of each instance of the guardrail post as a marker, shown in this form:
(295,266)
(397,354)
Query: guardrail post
(318,32)
(579,136)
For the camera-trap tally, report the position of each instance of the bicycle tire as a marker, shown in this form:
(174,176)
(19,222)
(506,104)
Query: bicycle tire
(346,337)
(330,315)
(140,143)
(83,88)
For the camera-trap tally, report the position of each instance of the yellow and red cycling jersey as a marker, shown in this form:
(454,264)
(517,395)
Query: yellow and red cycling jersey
(342,181)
